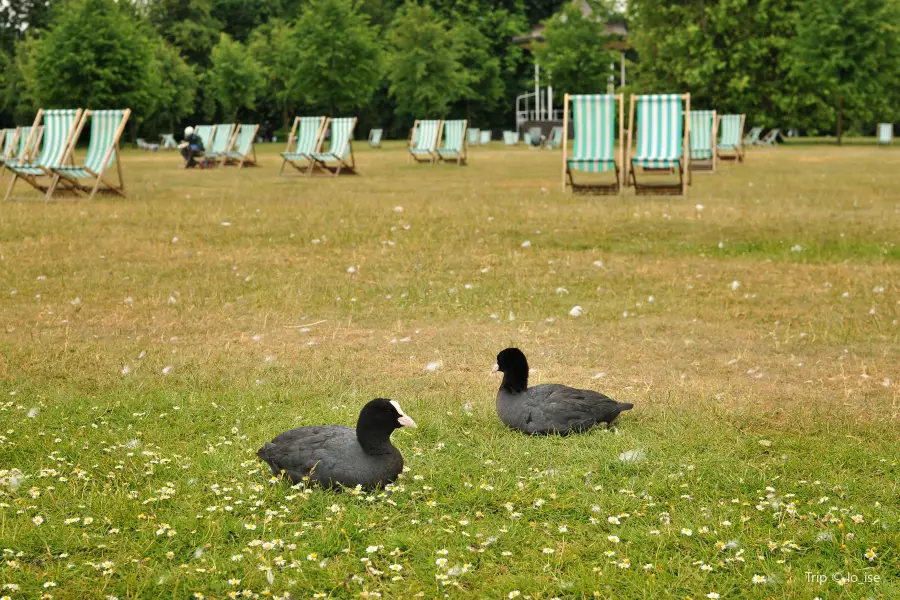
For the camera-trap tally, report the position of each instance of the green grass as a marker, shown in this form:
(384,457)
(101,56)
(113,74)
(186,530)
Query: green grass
(766,412)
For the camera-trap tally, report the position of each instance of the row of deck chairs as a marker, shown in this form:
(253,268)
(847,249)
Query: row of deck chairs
(43,155)
(229,144)
(479,137)
(305,153)
(756,138)
(670,138)
(434,141)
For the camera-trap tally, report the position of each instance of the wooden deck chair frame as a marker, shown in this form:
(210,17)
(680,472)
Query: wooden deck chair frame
(433,157)
(462,156)
(567,175)
(373,143)
(68,183)
(302,167)
(233,157)
(37,133)
(684,163)
(752,138)
(710,164)
(343,166)
(771,138)
(738,153)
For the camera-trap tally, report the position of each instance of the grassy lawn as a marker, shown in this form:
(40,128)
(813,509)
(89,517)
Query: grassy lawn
(149,346)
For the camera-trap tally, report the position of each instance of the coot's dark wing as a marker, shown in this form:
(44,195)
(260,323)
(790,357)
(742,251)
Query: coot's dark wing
(319,449)
(562,409)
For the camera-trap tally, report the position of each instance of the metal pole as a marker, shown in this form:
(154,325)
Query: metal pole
(550,102)
(537,91)
(623,69)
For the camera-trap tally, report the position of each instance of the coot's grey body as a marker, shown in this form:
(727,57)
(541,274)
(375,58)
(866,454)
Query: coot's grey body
(334,455)
(548,408)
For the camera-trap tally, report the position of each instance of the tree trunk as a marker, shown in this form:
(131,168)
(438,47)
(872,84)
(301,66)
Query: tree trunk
(840,122)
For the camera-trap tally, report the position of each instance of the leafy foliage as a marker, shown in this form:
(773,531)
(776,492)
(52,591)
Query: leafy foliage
(425,73)
(573,56)
(339,60)
(234,77)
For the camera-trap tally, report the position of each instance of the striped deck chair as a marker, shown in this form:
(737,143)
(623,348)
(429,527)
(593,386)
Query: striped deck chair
(485,137)
(473,135)
(375,138)
(454,146)
(703,140)
(305,138)
(593,120)
(205,133)
(731,138)
(10,148)
(663,133)
(554,140)
(222,142)
(107,127)
(885,133)
(426,135)
(510,138)
(526,137)
(341,146)
(771,138)
(59,131)
(20,144)
(168,141)
(243,147)
(535,137)
(752,138)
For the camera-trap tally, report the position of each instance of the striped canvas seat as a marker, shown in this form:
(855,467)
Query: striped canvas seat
(168,141)
(222,141)
(730,132)
(753,137)
(660,131)
(304,139)
(341,147)
(205,133)
(243,151)
(702,137)
(554,140)
(375,138)
(594,122)
(485,137)
(22,145)
(510,138)
(10,144)
(107,127)
(473,136)
(885,133)
(425,140)
(454,141)
(58,134)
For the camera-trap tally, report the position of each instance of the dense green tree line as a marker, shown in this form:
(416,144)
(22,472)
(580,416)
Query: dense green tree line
(818,65)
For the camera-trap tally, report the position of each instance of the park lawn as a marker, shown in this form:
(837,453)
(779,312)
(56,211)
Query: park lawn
(149,346)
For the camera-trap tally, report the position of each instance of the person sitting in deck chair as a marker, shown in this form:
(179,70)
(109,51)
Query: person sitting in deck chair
(191,147)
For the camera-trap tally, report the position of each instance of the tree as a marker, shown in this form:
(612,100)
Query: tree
(729,54)
(339,61)
(20,16)
(275,47)
(239,17)
(846,59)
(93,55)
(174,86)
(574,57)
(425,74)
(234,77)
(188,25)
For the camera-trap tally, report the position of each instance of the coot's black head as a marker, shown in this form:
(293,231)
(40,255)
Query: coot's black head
(378,420)
(512,363)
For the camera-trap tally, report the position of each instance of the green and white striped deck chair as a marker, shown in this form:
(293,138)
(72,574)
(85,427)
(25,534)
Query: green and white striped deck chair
(375,138)
(10,148)
(771,138)
(485,137)
(341,146)
(205,133)
(425,137)
(243,147)
(168,142)
(510,138)
(593,119)
(454,146)
(473,135)
(554,140)
(752,138)
(26,145)
(221,142)
(663,134)
(59,130)
(703,140)
(304,139)
(107,127)
(526,137)
(731,138)
(885,133)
